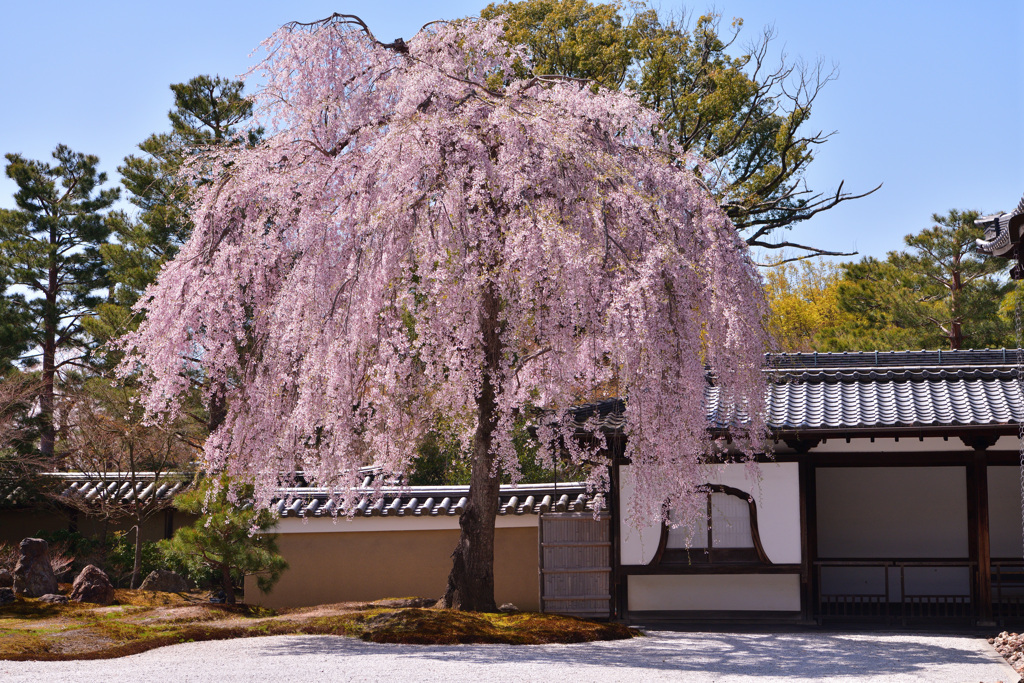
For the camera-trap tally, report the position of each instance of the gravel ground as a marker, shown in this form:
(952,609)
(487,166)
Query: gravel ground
(663,656)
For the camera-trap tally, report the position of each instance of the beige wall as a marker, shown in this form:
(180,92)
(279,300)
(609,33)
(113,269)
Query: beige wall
(24,523)
(344,566)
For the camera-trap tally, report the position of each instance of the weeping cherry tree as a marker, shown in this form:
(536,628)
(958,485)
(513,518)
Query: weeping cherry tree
(419,236)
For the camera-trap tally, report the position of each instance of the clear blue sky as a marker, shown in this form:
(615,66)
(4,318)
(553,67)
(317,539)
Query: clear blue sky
(929,99)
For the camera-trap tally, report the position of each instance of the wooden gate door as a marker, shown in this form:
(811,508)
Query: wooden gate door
(575,565)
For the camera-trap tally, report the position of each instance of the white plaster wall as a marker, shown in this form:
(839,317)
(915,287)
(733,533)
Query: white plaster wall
(892,512)
(639,543)
(772,592)
(1004,512)
(776,496)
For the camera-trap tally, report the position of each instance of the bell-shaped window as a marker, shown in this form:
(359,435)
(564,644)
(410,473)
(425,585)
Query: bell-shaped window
(725,532)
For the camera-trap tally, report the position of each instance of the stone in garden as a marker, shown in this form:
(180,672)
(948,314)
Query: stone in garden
(6,596)
(6,579)
(92,585)
(164,580)
(508,607)
(54,598)
(33,575)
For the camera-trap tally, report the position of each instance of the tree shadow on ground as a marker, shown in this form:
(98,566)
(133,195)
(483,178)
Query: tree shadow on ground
(807,656)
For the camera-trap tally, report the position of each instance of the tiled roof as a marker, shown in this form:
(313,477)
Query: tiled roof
(96,489)
(972,358)
(147,488)
(810,391)
(440,501)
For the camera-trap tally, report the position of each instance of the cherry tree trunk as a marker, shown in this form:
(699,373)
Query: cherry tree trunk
(471,581)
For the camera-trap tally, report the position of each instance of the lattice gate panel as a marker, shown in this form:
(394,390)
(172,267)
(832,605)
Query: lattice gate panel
(575,564)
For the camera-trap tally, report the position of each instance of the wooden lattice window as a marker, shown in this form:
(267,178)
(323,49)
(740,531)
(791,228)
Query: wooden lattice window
(725,533)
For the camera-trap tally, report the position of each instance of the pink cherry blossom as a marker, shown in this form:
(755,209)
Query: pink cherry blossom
(338,279)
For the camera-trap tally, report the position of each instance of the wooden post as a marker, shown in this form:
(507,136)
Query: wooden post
(978,535)
(169,522)
(617,585)
(808,540)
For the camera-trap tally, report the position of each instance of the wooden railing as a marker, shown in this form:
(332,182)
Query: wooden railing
(1007,589)
(893,598)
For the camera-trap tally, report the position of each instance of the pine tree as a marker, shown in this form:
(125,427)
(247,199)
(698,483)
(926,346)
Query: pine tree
(207,111)
(49,245)
(939,291)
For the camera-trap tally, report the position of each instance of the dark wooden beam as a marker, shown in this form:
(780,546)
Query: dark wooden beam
(739,568)
(978,535)
(801,444)
(169,522)
(808,540)
(618,582)
(881,459)
(980,442)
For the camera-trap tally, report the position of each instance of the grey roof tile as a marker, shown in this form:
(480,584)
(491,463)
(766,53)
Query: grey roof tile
(864,390)
(440,501)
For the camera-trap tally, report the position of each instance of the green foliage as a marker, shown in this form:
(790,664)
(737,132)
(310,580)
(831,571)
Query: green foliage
(875,296)
(717,99)
(120,559)
(50,243)
(570,37)
(438,462)
(15,328)
(803,302)
(939,292)
(227,540)
(207,110)
(84,548)
(49,246)
(116,556)
(441,460)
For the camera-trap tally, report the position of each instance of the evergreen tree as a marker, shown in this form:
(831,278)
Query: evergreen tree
(938,292)
(15,326)
(746,117)
(49,245)
(207,111)
(221,544)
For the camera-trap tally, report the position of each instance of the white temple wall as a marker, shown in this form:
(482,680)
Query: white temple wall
(715,592)
(776,496)
(1004,512)
(893,513)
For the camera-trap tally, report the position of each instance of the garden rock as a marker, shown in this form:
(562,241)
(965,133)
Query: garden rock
(6,579)
(92,585)
(6,596)
(33,575)
(164,580)
(54,598)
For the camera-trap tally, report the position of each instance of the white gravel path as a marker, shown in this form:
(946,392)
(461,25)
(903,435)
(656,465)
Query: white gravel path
(663,656)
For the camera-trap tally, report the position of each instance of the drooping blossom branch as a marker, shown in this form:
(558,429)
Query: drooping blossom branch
(340,272)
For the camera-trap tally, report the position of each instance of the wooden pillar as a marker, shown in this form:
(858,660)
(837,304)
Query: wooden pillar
(978,535)
(169,522)
(618,586)
(808,540)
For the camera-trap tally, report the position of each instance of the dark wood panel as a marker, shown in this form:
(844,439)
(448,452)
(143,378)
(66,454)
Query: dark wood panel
(668,569)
